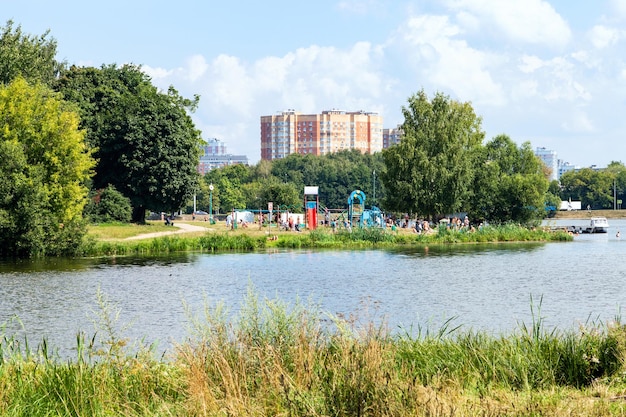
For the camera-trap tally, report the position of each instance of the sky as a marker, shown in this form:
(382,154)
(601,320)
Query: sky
(548,72)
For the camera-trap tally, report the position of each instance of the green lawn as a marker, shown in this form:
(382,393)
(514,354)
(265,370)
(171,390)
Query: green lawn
(114,231)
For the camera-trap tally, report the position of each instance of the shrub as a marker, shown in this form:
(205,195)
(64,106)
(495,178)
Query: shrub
(108,205)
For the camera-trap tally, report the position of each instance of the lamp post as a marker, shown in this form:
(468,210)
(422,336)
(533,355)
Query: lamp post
(374,189)
(211,203)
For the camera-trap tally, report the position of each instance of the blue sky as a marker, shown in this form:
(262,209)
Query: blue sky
(551,72)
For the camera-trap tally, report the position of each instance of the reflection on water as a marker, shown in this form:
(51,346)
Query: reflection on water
(467,249)
(485,286)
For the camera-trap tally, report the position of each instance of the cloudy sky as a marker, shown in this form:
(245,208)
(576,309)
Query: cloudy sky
(551,72)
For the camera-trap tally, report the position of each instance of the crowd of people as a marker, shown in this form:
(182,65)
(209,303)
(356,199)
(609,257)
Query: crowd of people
(290,222)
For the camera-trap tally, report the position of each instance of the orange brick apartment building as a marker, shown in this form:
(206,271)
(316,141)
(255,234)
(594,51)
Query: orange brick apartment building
(320,134)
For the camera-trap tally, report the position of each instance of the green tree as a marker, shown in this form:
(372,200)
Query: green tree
(336,175)
(108,205)
(32,57)
(510,183)
(228,182)
(146,143)
(44,164)
(431,171)
(590,187)
(617,170)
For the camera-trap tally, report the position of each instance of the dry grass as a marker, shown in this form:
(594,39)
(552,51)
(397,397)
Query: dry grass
(584,214)
(118,231)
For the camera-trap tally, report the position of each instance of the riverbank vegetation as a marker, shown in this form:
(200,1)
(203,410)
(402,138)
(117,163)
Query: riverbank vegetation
(100,241)
(293,360)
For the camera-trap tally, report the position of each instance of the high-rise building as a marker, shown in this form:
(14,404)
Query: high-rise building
(213,155)
(566,167)
(557,166)
(391,137)
(320,134)
(548,157)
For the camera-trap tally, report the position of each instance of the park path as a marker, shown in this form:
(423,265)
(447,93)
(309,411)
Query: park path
(180,228)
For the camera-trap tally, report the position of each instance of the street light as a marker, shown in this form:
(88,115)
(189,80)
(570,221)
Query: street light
(374,187)
(211,203)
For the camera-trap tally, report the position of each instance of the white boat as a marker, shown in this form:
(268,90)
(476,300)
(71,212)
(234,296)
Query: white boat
(598,225)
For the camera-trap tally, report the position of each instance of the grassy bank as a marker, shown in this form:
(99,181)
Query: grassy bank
(279,360)
(585,214)
(250,239)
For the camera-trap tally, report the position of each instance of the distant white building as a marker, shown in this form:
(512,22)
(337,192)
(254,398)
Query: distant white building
(213,155)
(558,167)
(566,167)
(549,158)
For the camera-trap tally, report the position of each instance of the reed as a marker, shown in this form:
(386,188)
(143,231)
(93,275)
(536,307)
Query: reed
(272,358)
(322,238)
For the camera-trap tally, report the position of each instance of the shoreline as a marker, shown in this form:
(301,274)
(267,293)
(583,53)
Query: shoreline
(585,215)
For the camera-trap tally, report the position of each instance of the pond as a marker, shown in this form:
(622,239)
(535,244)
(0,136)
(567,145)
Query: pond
(483,287)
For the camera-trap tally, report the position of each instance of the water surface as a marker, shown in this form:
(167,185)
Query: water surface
(483,287)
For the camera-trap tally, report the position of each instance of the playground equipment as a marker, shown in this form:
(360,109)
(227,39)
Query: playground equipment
(311,202)
(373,217)
(356,207)
(359,216)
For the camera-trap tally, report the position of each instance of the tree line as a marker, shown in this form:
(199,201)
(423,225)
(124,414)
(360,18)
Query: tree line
(81,144)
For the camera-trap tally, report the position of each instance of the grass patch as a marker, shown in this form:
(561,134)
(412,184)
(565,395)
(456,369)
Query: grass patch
(115,231)
(251,239)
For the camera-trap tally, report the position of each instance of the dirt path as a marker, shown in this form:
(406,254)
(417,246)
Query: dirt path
(177,229)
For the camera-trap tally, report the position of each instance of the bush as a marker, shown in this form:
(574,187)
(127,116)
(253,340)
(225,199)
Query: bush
(108,205)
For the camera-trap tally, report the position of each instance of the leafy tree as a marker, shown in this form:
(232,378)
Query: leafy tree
(32,57)
(108,205)
(228,182)
(553,203)
(617,171)
(431,171)
(593,188)
(336,175)
(511,183)
(146,143)
(280,194)
(554,187)
(203,195)
(282,181)
(44,164)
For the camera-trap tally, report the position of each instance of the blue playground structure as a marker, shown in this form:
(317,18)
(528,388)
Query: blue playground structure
(361,217)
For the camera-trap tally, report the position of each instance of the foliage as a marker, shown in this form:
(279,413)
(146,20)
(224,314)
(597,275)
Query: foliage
(108,205)
(594,188)
(510,185)
(28,56)
(146,143)
(282,181)
(228,185)
(430,172)
(44,163)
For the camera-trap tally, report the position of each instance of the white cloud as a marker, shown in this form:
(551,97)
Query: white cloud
(308,79)
(528,21)
(441,57)
(530,63)
(525,90)
(556,78)
(197,67)
(156,73)
(603,36)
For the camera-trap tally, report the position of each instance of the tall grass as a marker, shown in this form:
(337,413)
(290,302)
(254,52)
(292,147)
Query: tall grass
(294,360)
(319,238)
